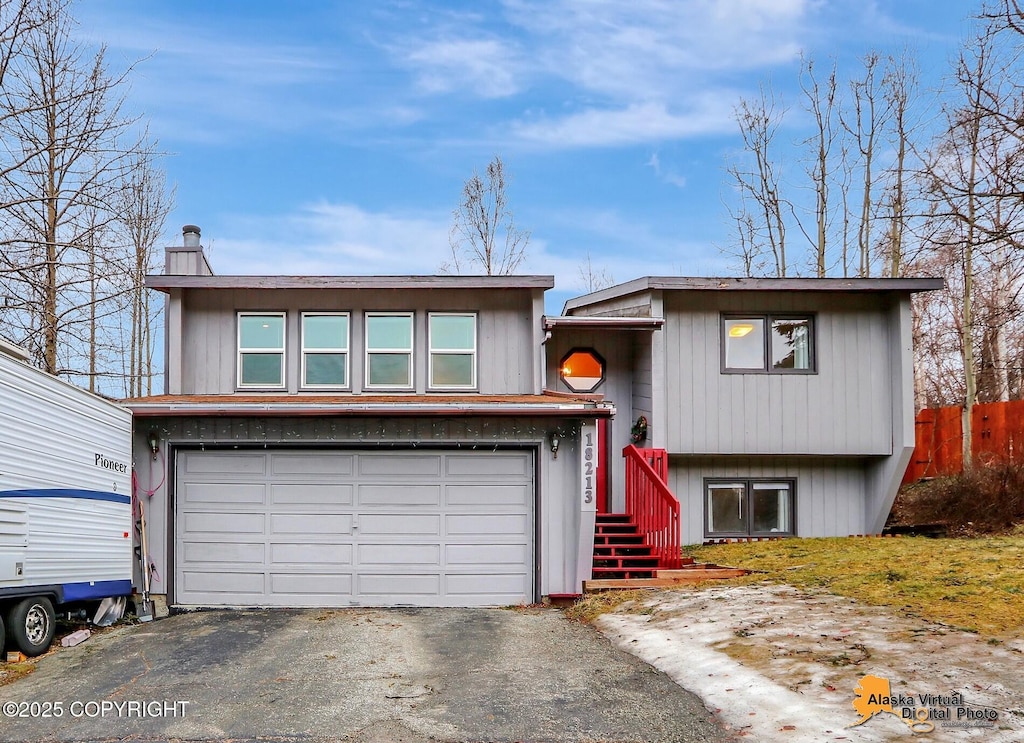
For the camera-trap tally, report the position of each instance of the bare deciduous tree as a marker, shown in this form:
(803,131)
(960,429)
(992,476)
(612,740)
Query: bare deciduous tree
(593,278)
(864,124)
(974,205)
(763,227)
(820,97)
(69,150)
(484,236)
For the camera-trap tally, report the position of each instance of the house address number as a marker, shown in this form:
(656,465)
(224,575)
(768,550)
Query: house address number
(588,467)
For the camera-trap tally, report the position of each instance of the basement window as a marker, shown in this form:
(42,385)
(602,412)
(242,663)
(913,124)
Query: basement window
(749,508)
(261,350)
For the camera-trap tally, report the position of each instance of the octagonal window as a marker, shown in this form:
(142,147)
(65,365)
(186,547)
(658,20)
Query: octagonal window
(582,370)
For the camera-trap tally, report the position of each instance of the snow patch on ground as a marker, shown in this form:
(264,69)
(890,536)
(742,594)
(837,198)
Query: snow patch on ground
(777,663)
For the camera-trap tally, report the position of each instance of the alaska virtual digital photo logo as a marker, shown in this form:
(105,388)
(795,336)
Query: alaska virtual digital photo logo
(921,713)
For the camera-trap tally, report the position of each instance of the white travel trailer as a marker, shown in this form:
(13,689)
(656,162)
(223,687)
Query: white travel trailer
(65,500)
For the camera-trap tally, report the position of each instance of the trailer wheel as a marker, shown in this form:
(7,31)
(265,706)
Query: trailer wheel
(30,625)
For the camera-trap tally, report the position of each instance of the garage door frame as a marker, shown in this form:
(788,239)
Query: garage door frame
(532,449)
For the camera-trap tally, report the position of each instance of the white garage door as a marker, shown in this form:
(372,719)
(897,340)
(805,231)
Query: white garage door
(352,528)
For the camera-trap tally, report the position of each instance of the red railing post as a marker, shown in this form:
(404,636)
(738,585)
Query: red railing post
(651,504)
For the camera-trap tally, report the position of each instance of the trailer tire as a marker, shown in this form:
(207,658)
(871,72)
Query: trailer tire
(31,624)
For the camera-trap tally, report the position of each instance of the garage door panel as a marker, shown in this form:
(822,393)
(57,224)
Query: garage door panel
(384,584)
(253,493)
(399,554)
(311,584)
(216,582)
(316,494)
(476,523)
(310,523)
(314,463)
(213,522)
(325,528)
(495,464)
(399,495)
(227,463)
(252,553)
(486,554)
(469,584)
(310,553)
(400,524)
(406,465)
(490,495)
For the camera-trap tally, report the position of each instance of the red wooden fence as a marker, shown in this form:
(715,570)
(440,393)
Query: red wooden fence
(997,436)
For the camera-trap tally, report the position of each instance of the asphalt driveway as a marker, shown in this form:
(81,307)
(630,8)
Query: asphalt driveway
(362,675)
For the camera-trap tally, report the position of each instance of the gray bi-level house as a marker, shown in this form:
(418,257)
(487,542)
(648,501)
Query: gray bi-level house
(437,441)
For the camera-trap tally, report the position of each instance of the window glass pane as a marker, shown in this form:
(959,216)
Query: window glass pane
(452,332)
(726,508)
(261,331)
(325,368)
(582,371)
(791,344)
(770,505)
(383,333)
(261,369)
(452,370)
(388,369)
(744,343)
(325,331)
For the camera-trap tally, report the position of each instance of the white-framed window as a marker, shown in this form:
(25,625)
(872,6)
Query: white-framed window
(745,507)
(773,344)
(389,338)
(261,350)
(452,338)
(325,357)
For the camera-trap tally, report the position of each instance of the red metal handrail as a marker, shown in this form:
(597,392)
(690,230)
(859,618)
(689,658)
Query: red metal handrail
(651,504)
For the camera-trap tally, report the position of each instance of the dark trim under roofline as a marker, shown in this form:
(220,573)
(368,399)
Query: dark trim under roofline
(711,284)
(607,323)
(164,282)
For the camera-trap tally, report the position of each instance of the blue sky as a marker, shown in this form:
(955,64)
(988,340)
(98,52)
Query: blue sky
(334,137)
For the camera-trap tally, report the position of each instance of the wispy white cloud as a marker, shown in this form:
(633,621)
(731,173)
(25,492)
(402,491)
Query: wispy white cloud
(654,47)
(484,67)
(332,239)
(669,175)
(632,124)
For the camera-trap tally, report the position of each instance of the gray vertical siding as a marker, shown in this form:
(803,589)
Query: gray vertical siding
(843,409)
(830,492)
(617,349)
(885,476)
(557,479)
(186,262)
(507,341)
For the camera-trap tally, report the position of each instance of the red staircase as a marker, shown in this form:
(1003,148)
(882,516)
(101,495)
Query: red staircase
(620,550)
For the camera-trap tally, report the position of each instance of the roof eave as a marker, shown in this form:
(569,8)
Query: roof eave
(249,410)
(164,282)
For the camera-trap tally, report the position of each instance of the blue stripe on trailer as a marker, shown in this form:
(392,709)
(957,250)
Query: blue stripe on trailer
(99,589)
(66,493)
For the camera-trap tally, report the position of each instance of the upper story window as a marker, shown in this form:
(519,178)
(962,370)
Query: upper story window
(261,349)
(452,350)
(389,350)
(325,349)
(777,344)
